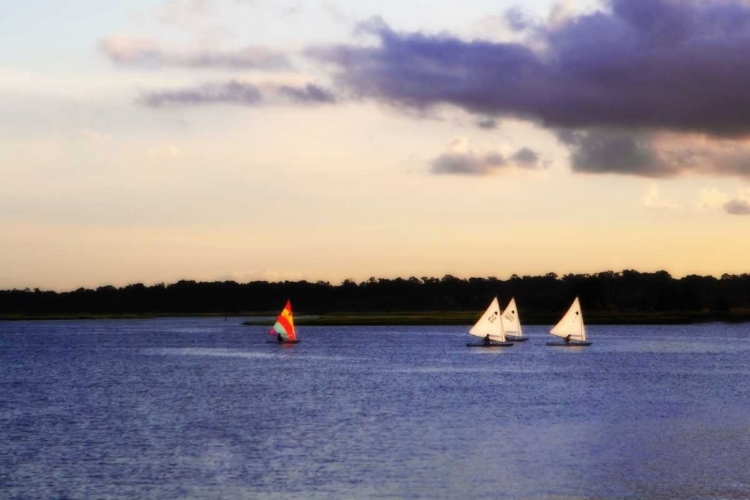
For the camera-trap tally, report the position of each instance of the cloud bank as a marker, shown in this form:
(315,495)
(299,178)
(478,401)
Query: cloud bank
(677,65)
(610,83)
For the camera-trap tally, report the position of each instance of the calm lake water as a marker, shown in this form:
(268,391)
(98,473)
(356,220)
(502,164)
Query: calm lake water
(203,408)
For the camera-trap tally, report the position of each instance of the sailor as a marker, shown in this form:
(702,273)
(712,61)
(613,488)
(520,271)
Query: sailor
(567,339)
(486,340)
(279,337)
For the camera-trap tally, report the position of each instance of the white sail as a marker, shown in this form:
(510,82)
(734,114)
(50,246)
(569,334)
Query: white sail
(571,324)
(511,320)
(490,323)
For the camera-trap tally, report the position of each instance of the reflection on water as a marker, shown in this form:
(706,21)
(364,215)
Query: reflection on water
(203,408)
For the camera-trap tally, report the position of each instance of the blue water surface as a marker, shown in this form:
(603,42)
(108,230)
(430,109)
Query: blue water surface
(206,408)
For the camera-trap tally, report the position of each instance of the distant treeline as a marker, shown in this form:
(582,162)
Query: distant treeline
(607,292)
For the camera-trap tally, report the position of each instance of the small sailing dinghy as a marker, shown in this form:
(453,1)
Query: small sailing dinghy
(490,324)
(283,329)
(571,328)
(512,323)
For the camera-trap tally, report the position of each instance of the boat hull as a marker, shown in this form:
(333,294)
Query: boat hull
(513,338)
(495,344)
(286,342)
(568,344)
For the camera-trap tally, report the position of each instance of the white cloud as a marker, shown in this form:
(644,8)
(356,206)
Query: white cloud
(654,200)
(150,53)
(711,198)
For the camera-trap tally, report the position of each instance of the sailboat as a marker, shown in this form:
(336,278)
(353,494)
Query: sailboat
(490,324)
(512,323)
(571,328)
(283,329)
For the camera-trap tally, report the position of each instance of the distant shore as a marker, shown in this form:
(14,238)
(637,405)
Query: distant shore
(469,317)
(423,318)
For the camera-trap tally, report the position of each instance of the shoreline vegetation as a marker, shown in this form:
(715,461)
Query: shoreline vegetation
(625,297)
(419,318)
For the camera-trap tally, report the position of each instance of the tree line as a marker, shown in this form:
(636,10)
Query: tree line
(608,291)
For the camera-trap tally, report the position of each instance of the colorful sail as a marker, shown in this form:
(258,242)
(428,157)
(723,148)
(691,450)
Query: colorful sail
(284,325)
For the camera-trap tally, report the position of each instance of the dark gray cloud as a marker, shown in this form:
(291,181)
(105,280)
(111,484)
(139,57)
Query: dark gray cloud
(487,123)
(649,154)
(147,53)
(620,152)
(308,94)
(737,207)
(238,93)
(466,162)
(525,158)
(641,64)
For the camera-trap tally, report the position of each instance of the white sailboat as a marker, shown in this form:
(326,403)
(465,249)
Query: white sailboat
(571,328)
(512,323)
(490,328)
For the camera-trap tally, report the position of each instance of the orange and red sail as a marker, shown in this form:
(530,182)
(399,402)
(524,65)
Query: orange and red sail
(284,325)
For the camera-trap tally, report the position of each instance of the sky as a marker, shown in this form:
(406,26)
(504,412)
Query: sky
(157,140)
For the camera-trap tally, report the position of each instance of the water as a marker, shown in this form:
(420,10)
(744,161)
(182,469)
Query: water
(203,408)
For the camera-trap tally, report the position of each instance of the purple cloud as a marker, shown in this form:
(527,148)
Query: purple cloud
(238,93)
(227,93)
(308,94)
(644,64)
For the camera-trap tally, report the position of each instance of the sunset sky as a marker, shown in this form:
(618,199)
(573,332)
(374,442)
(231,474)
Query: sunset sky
(157,140)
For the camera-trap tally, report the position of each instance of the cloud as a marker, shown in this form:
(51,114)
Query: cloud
(238,93)
(232,92)
(654,154)
(622,152)
(654,200)
(148,53)
(740,204)
(308,94)
(460,159)
(487,123)
(619,85)
(657,64)
(711,198)
(737,207)
(525,158)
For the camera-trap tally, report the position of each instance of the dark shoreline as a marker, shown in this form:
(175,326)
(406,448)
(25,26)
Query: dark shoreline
(421,318)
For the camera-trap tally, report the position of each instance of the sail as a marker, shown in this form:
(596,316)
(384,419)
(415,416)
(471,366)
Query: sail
(571,324)
(511,320)
(490,323)
(284,325)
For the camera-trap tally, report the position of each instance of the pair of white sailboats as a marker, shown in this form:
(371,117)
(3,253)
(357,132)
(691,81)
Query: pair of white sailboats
(502,329)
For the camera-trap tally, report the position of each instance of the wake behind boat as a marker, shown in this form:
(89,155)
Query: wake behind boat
(490,328)
(512,323)
(571,328)
(284,326)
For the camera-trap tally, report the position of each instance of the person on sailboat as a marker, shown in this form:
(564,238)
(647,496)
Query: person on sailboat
(486,340)
(279,338)
(567,339)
